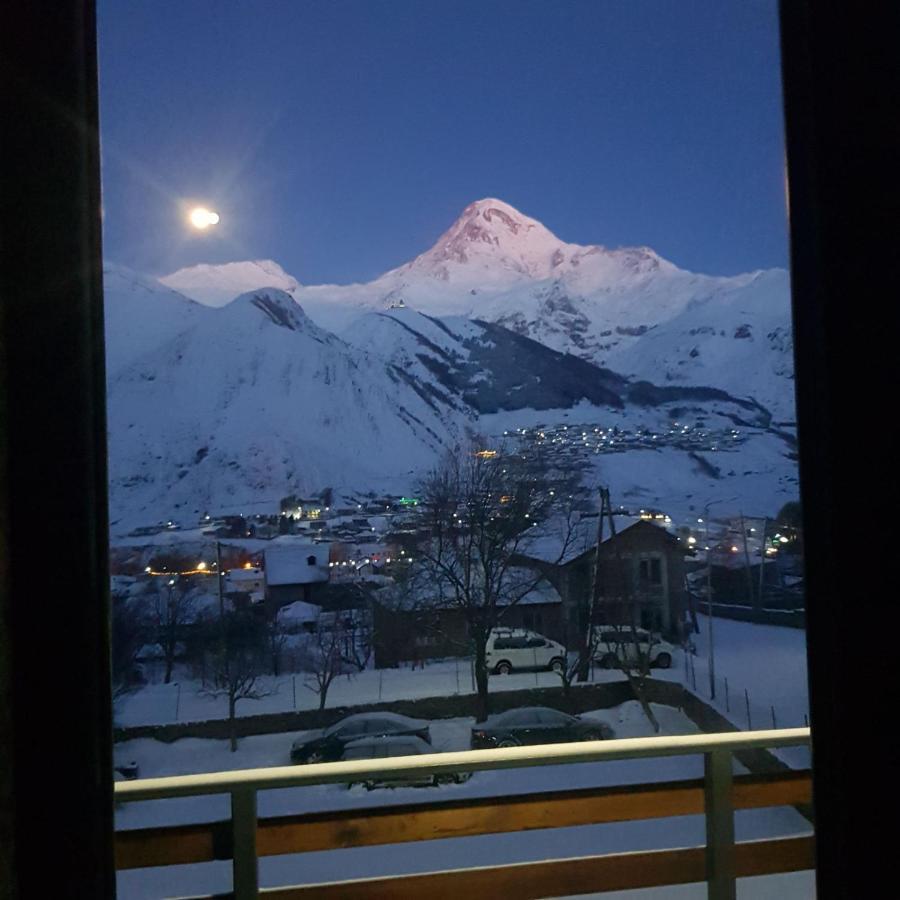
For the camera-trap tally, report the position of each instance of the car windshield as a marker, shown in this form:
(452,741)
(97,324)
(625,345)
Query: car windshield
(524,716)
(554,717)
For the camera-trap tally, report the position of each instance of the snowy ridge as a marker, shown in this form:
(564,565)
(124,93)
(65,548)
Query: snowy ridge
(626,308)
(217,285)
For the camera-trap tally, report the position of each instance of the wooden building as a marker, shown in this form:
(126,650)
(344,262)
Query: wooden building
(643,564)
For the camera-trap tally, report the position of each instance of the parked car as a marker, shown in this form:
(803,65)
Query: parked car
(394,746)
(536,725)
(511,649)
(328,745)
(617,645)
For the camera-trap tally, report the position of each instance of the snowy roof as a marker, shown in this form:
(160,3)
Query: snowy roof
(542,592)
(299,612)
(291,565)
(560,542)
(421,590)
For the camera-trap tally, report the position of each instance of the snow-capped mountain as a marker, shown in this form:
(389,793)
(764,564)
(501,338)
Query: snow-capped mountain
(254,402)
(628,308)
(218,402)
(238,406)
(218,285)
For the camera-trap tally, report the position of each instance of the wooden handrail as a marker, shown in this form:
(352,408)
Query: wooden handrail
(394,824)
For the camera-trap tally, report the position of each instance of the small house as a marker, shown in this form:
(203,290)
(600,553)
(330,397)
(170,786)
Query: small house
(295,572)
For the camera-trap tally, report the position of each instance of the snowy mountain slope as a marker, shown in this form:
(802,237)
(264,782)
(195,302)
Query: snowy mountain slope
(490,368)
(736,339)
(258,402)
(141,315)
(625,308)
(217,285)
(253,401)
(484,366)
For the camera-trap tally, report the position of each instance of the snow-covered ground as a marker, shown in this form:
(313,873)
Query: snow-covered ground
(764,665)
(766,661)
(194,755)
(159,704)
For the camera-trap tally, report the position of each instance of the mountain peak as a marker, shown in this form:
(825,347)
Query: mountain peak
(278,306)
(489,238)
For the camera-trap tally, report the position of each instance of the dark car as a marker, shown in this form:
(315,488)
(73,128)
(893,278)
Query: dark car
(328,745)
(536,725)
(395,746)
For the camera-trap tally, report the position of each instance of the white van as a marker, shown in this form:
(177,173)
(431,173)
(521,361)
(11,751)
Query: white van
(515,649)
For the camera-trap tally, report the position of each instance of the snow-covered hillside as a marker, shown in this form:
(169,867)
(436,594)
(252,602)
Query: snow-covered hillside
(141,315)
(255,402)
(627,308)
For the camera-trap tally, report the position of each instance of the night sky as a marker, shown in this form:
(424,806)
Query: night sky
(341,138)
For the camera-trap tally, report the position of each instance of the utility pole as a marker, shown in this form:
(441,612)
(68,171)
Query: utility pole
(709,606)
(219,581)
(762,560)
(587,646)
(750,596)
(712,664)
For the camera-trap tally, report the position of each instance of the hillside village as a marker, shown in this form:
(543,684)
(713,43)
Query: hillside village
(326,566)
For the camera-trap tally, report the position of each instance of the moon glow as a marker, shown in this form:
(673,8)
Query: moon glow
(202,218)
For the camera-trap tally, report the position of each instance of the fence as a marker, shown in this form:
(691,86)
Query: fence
(748,709)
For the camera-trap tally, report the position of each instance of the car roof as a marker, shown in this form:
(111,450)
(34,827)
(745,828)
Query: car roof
(389,716)
(500,718)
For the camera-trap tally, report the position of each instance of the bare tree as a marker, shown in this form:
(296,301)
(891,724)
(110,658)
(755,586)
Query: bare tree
(130,630)
(276,639)
(482,509)
(172,609)
(236,658)
(358,638)
(325,654)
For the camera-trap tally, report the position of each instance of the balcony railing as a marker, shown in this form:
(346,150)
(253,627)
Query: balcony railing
(717,795)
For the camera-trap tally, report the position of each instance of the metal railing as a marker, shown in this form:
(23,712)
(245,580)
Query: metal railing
(717,786)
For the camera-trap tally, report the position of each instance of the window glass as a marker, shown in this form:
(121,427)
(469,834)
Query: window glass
(425,324)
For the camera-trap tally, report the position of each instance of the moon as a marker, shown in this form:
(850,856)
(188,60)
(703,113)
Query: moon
(201,218)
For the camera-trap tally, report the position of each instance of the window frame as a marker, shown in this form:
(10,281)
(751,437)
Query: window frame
(834,140)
